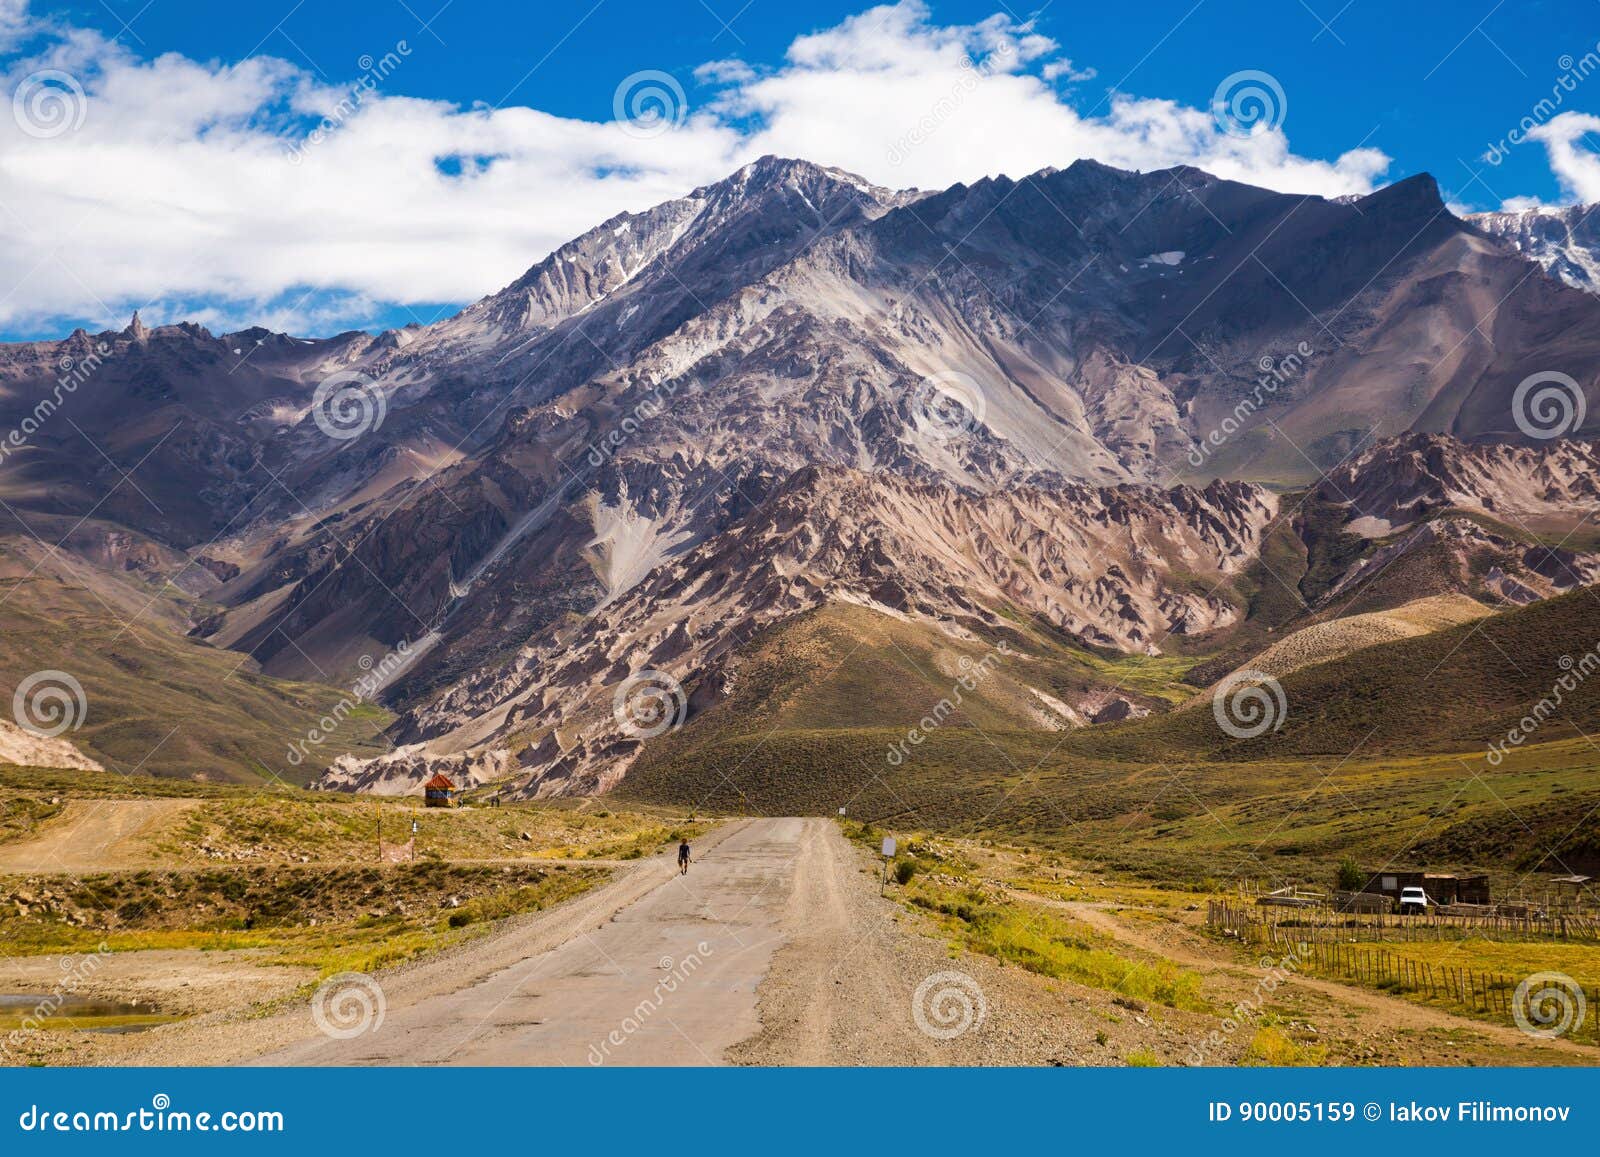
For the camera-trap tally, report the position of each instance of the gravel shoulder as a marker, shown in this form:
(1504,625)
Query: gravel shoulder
(863,981)
(181,982)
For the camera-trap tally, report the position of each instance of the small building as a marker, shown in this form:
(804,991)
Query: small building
(1570,892)
(440,791)
(1441,887)
(1363,902)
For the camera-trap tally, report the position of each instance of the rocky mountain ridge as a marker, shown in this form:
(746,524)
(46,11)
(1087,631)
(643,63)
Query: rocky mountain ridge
(1128,568)
(1564,240)
(1009,398)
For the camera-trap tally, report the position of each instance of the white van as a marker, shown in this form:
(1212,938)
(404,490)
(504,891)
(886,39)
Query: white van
(1414,902)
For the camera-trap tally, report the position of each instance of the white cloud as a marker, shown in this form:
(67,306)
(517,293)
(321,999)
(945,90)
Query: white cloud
(178,188)
(1509,205)
(14,22)
(1063,70)
(1577,168)
(724,72)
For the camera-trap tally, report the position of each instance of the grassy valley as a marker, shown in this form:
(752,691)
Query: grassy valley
(157,701)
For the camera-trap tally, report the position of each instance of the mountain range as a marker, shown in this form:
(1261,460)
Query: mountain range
(1103,420)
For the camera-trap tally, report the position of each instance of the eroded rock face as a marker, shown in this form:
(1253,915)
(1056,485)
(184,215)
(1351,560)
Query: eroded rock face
(781,390)
(1097,562)
(25,749)
(646,385)
(404,770)
(1121,567)
(1465,557)
(1405,479)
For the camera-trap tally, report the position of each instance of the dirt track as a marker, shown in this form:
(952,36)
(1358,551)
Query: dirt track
(803,963)
(1395,1013)
(776,948)
(94,835)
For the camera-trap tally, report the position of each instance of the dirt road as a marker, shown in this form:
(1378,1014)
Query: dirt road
(775,949)
(94,835)
(669,979)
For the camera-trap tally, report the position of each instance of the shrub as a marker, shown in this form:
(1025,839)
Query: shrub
(1271,1046)
(904,870)
(1351,877)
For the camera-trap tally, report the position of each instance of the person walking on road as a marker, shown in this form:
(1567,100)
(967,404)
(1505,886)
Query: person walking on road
(683,856)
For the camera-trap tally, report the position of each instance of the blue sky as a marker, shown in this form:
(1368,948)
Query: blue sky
(198,185)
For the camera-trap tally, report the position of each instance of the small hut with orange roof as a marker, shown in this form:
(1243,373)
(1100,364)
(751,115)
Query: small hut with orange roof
(440,791)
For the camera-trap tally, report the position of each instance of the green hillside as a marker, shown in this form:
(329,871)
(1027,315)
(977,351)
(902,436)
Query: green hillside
(847,675)
(1454,690)
(162,703)
(1171,796)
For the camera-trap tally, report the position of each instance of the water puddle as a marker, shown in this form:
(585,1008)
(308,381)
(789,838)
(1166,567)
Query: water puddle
(43,1010)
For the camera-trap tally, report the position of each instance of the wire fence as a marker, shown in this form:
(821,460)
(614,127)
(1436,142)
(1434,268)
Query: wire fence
(1539,1003)
(1322,919)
